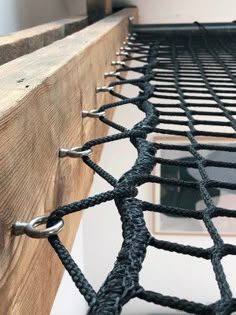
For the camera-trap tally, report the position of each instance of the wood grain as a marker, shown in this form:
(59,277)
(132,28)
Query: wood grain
(26,41)
(41,99)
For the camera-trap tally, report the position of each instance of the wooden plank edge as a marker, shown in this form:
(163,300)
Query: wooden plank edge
(38,115)
(23,75)
(28,40)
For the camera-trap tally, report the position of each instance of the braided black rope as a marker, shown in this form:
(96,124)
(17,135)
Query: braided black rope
(189,72)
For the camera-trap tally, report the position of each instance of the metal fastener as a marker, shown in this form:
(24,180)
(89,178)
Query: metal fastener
(118,63)
(128,43)
(29,228)
(111,74)
(122,53)
(126,48)
(104,89)
(76,152)
(92,113)
(130,38)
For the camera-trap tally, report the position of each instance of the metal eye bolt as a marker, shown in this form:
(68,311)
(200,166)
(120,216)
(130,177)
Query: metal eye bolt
(29,228)
(118,63)
(92,113)
(111,74)
(104,89)
(76,152)
(122,53)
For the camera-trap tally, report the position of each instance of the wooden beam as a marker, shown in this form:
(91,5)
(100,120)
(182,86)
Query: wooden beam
(41,98)
(108,7)
(28,40)
(97,9)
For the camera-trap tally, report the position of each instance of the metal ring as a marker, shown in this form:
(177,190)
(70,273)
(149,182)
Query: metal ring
(20,228)
(104,89)
(92,113)
(122,53)
(128,43)
(132,34)
(118,63)
(129,38)
(111,74)
(125,49)
(76,152)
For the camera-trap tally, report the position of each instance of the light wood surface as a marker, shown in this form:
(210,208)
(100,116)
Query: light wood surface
(26,41)
(41,98)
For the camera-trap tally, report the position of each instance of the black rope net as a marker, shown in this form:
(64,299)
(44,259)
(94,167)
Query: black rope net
(194,76)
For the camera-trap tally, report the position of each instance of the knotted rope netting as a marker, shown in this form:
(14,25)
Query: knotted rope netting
(195,76)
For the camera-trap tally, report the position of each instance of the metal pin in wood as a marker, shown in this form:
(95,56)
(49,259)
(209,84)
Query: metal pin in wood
(132,34)
(29,228)
(111,74)
(130,38)
(118,63)
(128,43)
(122,53)
(104,89)
(76,152)
(92,113)
(125,48)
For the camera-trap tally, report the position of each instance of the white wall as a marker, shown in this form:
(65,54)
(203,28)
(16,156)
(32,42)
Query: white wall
(171,11)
